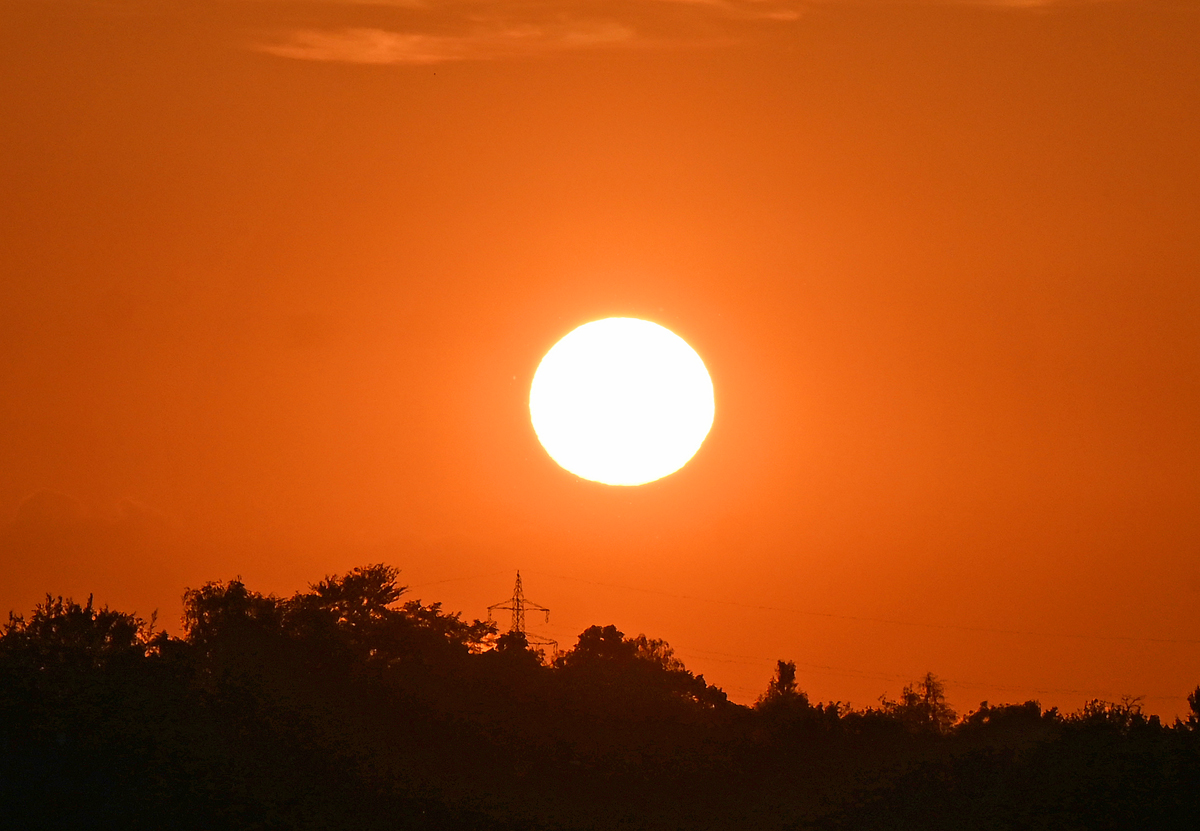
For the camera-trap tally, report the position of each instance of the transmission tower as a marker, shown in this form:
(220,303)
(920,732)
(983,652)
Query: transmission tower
(517,605)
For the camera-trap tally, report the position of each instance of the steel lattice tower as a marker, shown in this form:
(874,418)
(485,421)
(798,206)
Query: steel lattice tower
(517,605)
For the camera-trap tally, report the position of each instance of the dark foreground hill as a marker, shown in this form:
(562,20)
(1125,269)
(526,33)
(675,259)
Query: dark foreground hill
(345,707)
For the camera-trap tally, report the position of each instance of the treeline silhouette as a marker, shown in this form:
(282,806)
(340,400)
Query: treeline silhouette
(347,707)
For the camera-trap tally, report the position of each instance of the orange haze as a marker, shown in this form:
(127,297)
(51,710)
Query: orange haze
(275,277)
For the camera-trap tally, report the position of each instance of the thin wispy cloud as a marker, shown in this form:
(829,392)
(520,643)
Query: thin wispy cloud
(414,32)
(418,32)
(381,46)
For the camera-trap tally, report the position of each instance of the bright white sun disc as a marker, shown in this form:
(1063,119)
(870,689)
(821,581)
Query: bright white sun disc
(621,401)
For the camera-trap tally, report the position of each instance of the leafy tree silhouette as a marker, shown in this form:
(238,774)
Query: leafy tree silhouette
(1122,716)
(63,633)
(1013,725)
(355,612)
(922,706)
(513,652)
(636,669)
(1193,719)
(782,691)
(597,645)
(86,695)
(348,704)
(361,607)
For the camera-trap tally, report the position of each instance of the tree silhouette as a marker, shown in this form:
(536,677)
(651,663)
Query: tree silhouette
(361,607)
(922,706)
(513,651)
(216,609)
(656,651)
(598,645)
(64,633)
(782,692)
(348,704)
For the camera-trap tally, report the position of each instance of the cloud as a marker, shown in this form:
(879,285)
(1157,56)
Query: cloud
(423,32)
(412,32)
(381,46)
(417,32)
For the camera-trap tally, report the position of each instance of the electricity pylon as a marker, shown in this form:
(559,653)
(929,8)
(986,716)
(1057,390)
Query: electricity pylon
(517,605)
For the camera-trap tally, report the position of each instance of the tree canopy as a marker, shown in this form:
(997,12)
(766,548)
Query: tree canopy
(350,703)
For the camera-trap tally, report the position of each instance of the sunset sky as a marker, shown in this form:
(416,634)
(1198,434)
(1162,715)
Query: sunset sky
(275,277)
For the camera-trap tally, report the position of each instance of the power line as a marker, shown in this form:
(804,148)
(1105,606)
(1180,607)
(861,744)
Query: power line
(888,621)
(456,579)
(752,660)
(855,673)
(756,660)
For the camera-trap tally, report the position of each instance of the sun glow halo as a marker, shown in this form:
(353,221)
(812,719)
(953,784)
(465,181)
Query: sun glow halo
(621,401)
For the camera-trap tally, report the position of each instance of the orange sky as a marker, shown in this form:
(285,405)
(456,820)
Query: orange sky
(276,277)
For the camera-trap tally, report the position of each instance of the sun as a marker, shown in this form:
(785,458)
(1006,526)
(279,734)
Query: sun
(621,401)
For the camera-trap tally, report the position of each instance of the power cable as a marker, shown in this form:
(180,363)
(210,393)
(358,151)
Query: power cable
(751,660)
(456,579)
(855,673)
(888,621)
